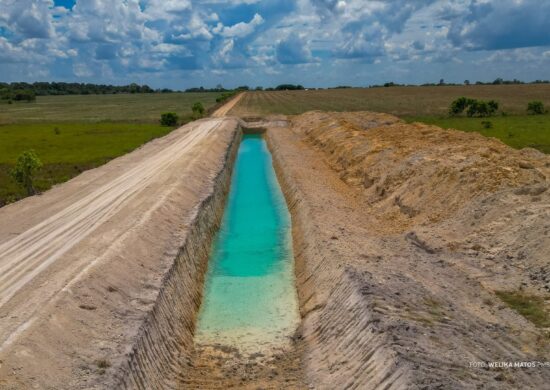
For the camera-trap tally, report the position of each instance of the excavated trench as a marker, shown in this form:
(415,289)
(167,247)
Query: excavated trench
(225,320)
(213,327)
(249,296)
(231,290)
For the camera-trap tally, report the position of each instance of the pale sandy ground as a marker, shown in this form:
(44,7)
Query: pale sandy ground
(224,110)
(403,233)
(80,265)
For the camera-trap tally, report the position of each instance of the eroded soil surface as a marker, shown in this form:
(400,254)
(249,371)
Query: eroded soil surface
(84,266)
(403,234)
(404,237)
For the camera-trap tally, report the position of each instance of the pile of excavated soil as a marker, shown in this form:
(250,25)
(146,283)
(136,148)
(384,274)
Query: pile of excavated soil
(416,174)
(485,198)
(403,234)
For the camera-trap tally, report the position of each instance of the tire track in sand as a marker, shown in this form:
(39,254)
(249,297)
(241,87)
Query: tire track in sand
(223,110)
(30,253)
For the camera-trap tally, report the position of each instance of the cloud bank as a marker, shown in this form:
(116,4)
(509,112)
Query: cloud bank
(181,43)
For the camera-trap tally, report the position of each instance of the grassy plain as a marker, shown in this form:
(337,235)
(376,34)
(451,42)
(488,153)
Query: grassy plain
(400,101)
(91,130)
(422,104)
(140,108)
(518,131)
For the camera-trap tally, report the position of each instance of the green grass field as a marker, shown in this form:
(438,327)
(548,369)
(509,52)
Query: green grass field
(422,104)
(400,101)
(92,130)
(140,108)
(518,131)
(76,147)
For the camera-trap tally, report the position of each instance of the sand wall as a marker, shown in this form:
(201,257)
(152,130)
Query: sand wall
(162,352)
(342,344)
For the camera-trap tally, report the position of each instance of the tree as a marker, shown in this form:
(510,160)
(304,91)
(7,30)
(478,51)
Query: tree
(25,168)
(535,107)
(169,119)
(289,87)
(198,110)
(24,94)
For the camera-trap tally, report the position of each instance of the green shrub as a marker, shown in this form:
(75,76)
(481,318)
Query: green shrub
(535,107)
(198,110)
(225,96)
(459,105)
(24,94)
(493,106)
(25,168)
(169,119)
(487,124)
(480,108)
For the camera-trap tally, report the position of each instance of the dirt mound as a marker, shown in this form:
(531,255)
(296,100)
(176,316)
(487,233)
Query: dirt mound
(418,174)
(411,243)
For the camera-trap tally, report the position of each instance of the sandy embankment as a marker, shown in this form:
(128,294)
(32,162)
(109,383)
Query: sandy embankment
(102,276)
(402,233)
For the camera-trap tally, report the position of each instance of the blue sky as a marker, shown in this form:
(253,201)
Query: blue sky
(318,43)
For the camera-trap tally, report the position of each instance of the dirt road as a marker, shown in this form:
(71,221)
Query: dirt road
(127,210)
(224,110)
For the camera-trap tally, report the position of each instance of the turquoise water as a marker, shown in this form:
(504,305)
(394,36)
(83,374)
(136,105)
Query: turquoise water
(249,297)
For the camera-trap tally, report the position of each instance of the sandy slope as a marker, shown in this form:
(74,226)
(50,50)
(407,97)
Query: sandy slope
(118,219)
(402,234)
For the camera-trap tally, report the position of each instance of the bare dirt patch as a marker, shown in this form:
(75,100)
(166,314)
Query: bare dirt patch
(404,234)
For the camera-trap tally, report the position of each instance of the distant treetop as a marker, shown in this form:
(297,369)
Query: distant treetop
(9,90)
(289,87)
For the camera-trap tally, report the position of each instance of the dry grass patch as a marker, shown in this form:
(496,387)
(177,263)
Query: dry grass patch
(532,307)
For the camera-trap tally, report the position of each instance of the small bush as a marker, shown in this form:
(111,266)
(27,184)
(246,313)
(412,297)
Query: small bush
(458,106)
(487,124)
(225,96)
(198,110)
(25,168)
(536,107)
(493,106)
(24,95)
(480,108)
(169,119)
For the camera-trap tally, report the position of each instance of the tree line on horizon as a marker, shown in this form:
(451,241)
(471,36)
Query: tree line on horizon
(498,81)
(22,91)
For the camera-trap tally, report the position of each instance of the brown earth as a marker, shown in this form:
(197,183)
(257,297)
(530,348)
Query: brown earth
(223,110)
(403,233)
(102,276)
